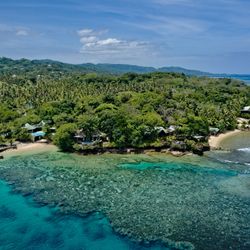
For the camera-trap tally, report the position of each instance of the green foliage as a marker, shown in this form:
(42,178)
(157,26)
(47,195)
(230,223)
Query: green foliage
(127,108)
(88,123)
(6,114)
(22,135)
(64,137)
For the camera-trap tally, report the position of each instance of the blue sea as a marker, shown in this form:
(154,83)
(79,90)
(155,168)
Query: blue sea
(28,226)
(186,203)
(244,78)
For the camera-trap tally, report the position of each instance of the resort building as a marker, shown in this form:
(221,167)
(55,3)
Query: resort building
(36,130)
(161,131)
(32,128)
(246,110)
(214,131)
(82,138)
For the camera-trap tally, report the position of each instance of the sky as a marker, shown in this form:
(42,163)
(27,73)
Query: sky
(211,35)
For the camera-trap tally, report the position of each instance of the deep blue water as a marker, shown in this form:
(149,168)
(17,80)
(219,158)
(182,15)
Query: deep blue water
(25,225)
(245,78)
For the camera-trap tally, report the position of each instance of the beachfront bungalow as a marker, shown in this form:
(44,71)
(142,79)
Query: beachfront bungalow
(199,138)
(32,128)
(161,131)
(213,131)
(35,130)
(37,136)
(245,110)
(82,138)
(171,129)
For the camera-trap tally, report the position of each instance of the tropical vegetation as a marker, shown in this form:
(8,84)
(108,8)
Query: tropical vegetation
(128,108)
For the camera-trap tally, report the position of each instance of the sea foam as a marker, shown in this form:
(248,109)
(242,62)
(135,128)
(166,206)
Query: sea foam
(247,150)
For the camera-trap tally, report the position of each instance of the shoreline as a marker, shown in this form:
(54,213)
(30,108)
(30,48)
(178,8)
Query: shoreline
(39,147)
(215,141)
(29,148)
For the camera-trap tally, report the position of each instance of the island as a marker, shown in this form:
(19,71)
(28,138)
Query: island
(103,112)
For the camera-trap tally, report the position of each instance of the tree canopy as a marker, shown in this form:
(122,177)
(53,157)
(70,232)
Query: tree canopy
(127,108)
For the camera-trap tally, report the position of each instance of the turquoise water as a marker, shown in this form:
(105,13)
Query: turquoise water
(25,225)
(239,150)
(188,203)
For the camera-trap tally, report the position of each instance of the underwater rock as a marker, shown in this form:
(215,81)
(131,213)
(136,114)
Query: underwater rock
(182,207)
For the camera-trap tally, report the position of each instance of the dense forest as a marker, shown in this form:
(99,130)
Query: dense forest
(130,109)
(25,66)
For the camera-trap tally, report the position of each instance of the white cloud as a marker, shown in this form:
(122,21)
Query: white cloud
(22,32)
(109,41)
(88,39)
(12,30)
(95,47)
(85,32)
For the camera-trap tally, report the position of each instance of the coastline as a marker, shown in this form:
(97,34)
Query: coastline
(27,148)
(215,141)
(37,147)
(40,147)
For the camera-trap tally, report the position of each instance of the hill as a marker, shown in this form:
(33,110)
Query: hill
(11,66)
(55,68)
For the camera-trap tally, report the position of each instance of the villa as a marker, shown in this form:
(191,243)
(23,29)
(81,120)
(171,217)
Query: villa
(161,131)
(82,138)
(36,130)
(214,131)
(246,110)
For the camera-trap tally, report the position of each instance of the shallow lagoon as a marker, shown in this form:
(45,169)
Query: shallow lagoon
(189,202)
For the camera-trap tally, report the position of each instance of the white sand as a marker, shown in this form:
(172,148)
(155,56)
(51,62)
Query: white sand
(215,141)
(30,148)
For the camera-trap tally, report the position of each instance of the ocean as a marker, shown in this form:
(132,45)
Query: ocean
(25,224)
(244,78)
(52,200)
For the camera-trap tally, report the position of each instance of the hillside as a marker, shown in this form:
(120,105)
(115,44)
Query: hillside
(54,68)
(9,66)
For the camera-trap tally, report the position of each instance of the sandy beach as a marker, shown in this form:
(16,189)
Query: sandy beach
(215,141)
(29,148)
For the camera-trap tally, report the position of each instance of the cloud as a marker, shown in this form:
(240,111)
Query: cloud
(14,31)
(85,32)
(22,32)
(95,47)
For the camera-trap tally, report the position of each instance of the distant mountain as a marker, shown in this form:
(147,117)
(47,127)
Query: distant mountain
(55,68)
(184,71)
(123,68)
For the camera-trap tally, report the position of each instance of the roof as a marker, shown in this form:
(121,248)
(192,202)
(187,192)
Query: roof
(198,137)
(38,133)
(29,126)
(160,129)
(211,129)
(247,108)
(34,126)
(172,128)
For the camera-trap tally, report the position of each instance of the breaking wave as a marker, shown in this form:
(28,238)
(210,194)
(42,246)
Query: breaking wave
(247,150)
